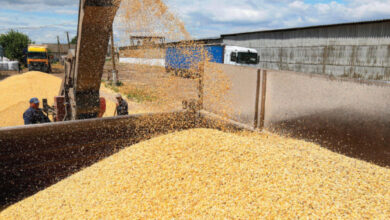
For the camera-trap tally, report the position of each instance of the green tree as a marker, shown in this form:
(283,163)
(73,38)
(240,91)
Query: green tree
(74,40)
(13,44)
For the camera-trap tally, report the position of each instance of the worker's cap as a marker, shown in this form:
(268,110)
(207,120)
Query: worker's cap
(34,100)
(118,96)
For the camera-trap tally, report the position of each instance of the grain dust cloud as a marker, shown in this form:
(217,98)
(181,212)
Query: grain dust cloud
(155,29)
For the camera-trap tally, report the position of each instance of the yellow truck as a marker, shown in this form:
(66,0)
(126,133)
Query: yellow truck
(38,58)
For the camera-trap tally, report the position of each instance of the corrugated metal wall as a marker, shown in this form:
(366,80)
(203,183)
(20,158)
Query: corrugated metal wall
(344,115)
(237,103)
(360,50)
(347,116)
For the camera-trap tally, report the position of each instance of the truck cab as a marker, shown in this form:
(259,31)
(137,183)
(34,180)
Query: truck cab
(38,59)
(241,56)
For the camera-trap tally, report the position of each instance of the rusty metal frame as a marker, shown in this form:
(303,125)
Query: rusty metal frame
(257,100)
(263,99)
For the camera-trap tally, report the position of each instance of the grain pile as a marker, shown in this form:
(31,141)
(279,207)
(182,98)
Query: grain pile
(209,174)
(16,91)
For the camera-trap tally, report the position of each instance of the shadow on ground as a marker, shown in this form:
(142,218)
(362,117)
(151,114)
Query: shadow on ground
(354,135)
(4,76)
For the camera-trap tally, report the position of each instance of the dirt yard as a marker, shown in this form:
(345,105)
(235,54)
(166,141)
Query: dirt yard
(151,87)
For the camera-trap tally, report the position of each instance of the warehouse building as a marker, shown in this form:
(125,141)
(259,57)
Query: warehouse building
(59,51)
(358,50)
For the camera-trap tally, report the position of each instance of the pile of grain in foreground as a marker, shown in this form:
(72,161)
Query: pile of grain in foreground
(16,91)
(208,173)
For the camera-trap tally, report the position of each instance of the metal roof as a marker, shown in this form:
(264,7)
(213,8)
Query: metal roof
(199,40)
(139,36)
(308,27)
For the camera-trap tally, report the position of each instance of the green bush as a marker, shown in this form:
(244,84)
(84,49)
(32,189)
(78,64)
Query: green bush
(139,96)
(13,44)
(110,85)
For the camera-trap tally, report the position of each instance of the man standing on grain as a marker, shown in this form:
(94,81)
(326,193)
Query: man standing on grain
(34,115)
(122,108)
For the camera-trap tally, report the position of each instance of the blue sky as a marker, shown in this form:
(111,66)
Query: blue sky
(43,20)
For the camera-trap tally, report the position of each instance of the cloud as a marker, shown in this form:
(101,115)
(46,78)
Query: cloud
(33,3)
(40,28)
(223,16)
(238,15)
(42,20)
(203,18)
(40,5)
(66,11)
(299,5)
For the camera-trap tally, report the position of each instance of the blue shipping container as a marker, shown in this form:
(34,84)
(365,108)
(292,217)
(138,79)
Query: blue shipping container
(184,58)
